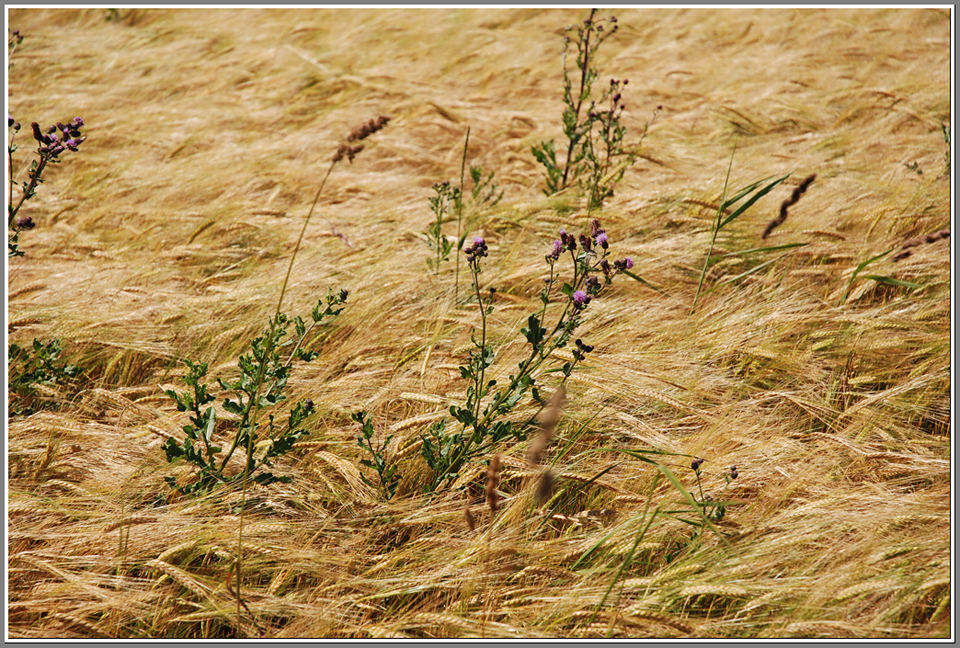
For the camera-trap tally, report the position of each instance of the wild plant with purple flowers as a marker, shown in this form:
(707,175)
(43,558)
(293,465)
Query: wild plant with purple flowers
(484,419)
(50,145)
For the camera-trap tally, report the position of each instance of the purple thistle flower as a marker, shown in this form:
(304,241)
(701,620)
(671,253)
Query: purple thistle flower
(602,240)
(628,263)
(580,298)
(77,122)
(478,241)
(71,144)
(555,252)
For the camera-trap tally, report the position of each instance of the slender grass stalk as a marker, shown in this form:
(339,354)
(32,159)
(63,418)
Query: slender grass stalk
(463,164)
(255,401)
(716,230)
(628,560)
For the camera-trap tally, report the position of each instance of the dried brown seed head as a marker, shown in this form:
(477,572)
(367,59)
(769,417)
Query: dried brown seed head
(471,522)
(545,488)
(548,424)
(493,481)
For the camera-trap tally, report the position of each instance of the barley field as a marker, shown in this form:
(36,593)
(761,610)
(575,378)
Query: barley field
(824,379)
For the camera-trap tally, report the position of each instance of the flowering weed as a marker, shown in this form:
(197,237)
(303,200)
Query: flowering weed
(50,145)
(483,420)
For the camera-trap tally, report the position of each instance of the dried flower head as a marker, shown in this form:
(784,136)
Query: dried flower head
(548,424)
(544,488)
(366,130)
(468,516)
(789,202)
(493,481)
(345,150)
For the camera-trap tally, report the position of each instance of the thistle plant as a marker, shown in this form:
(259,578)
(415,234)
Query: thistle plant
(483,420)
(447,197)
(485,189)
(595,153)
(264,372)
(389,478)
(31,367)
(485,192)
(713,509)
(57,139)
(603,148)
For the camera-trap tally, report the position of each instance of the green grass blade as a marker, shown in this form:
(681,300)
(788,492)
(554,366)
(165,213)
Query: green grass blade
(772,248)
(754,198)
(716,230)
(641,280)
(628,560)
(743,192)
(589,552)
(856,271)
(890,281)
(744,274)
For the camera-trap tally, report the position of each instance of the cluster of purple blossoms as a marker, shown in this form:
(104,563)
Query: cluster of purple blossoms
(58,137)
(597,239)
(477,250)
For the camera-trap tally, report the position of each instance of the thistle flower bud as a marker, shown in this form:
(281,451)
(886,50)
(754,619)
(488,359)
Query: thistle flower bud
(555,252)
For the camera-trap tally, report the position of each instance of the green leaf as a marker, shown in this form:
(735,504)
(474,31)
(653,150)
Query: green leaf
(641,280)
(890,281)
(857,270)
(757,196)
(211,416)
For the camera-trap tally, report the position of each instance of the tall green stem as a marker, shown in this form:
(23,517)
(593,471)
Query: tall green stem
(584,67)
(716,230)
(463,164)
